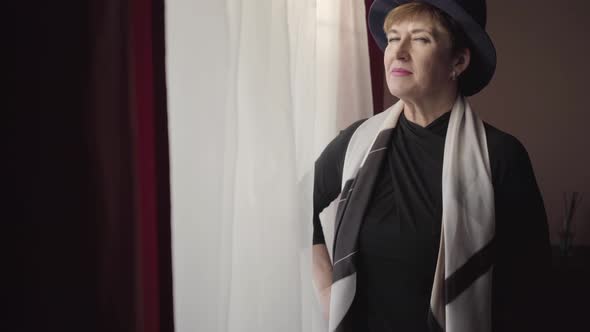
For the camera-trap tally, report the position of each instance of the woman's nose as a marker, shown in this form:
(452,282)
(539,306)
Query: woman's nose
(401,50)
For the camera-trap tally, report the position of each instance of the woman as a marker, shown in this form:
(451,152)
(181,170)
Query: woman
(438,220)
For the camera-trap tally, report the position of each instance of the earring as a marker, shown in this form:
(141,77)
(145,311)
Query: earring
(454,75)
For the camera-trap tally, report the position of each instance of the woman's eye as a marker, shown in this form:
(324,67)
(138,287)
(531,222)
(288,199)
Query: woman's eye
(392,39)
(422,39)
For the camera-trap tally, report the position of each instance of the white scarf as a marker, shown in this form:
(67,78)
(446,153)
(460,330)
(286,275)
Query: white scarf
(461,293)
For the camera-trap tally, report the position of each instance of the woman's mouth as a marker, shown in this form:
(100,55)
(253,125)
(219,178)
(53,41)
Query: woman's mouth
(400,72)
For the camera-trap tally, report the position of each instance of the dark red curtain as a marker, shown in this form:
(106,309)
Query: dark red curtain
(87,166)
(152,190)
(377,71)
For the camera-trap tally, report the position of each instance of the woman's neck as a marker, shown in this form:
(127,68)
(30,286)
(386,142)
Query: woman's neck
(426,110)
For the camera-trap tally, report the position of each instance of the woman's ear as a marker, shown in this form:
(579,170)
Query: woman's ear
(462,60)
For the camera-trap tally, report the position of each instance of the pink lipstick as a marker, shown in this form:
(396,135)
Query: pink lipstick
(400,72)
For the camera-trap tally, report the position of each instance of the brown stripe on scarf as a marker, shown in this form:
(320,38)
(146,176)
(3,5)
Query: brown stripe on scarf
(476,266)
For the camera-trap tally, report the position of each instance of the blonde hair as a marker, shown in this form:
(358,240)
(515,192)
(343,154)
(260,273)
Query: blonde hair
(414,10)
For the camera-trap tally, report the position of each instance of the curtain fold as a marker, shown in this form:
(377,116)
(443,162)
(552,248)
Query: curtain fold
(145,189)
(128,139)
(108,127)
(166,308)
(377,69)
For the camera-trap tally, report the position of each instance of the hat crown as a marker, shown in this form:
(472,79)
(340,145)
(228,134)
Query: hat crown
(475,8)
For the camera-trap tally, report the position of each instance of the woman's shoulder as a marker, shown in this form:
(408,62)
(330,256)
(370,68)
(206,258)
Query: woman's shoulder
(337,147)
(507,153)
(347,132)
(329,165)
(503,144)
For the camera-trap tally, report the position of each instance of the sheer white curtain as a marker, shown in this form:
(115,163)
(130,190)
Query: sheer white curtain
(256,89)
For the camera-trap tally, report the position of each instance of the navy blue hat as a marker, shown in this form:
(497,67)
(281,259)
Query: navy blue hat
(471,17)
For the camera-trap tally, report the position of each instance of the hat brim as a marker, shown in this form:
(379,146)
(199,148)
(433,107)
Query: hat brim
(483,53)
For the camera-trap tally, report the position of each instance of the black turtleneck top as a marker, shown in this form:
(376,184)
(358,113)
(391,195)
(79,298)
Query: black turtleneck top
(400,234)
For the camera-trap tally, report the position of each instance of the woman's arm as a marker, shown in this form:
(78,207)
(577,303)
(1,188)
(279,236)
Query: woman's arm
(326,187)
(322,276)
(523,247)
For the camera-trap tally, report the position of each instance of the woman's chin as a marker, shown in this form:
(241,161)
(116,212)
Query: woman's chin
(399,88)
(399,92)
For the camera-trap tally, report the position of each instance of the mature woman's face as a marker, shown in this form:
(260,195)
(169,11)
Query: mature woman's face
(417,59)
